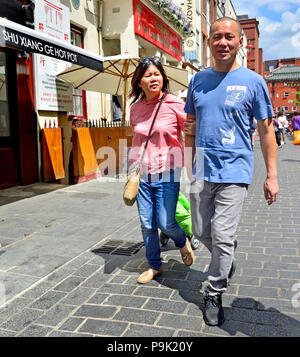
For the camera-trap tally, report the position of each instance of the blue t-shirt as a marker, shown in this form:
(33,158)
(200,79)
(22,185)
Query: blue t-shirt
(224,104)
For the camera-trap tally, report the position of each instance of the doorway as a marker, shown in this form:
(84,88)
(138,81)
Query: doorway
(18,125)
(9,150)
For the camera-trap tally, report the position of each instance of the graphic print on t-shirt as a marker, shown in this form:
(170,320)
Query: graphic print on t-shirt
(235,94)
(229,137)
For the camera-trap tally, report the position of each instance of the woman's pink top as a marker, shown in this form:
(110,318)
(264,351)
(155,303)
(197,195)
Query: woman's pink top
(165,148)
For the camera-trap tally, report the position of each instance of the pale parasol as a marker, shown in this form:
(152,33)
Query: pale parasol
(116,77)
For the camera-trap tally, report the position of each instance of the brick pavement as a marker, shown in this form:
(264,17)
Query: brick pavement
(85,293)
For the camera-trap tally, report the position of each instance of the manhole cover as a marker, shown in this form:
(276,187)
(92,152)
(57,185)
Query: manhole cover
(119,247)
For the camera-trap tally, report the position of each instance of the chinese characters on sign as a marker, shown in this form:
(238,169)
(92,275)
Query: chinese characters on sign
(52,19)
(190,11)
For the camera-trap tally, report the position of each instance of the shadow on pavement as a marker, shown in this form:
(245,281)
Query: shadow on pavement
(186,280)
(241,317)
(269,322)
(291,160)
(112,262)
(17,193)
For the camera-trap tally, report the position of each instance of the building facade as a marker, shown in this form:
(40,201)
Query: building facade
(270,65)
(284,86)
(201,14)
(254,52)
(29,89)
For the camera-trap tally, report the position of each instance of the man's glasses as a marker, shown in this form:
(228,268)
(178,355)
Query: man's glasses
(148,60)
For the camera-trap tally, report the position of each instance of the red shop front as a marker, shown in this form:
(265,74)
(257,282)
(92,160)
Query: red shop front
(153,29)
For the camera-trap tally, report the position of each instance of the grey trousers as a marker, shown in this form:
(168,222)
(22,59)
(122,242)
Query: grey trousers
(216,210)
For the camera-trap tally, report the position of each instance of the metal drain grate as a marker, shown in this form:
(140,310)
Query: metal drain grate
(119,247)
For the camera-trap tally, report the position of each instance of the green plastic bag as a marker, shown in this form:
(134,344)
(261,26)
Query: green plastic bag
(183,214)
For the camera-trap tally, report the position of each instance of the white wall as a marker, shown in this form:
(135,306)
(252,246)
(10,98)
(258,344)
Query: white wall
(118,24)
(87,18)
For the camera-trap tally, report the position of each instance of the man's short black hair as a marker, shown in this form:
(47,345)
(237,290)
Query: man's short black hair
(227,18)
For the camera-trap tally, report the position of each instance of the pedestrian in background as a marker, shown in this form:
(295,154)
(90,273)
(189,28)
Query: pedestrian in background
(253,131)
(281,121)
(296,121)
(117,110)
(277,132)
(221,103)
(159,184)
(286,126)
(291,127)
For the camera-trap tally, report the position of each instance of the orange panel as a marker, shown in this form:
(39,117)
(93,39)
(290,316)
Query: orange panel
(84,156)
(87,142)
(53,154)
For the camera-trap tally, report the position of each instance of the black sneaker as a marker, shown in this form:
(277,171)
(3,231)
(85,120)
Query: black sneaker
(213,310)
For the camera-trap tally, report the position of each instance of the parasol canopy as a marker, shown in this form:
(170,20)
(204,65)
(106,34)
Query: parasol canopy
(116,77)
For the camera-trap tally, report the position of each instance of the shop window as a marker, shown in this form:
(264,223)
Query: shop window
(4,112)
(79,96)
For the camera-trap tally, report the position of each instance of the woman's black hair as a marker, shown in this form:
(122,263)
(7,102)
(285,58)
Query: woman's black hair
(145,62)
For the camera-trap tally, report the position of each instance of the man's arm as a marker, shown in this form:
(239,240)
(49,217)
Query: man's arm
(269,150)
(189,135)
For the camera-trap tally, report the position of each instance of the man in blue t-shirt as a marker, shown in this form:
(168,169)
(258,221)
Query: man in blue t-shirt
(221,104)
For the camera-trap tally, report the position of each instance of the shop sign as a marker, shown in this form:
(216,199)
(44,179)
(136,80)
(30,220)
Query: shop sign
(153,29)
(190,11)
(52,19)
(14,38)
(14,35)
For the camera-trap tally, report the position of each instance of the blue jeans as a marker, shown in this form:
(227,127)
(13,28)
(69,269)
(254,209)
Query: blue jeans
(157,199)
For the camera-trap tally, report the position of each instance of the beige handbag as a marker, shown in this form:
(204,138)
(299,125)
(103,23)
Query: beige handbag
(131,188)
